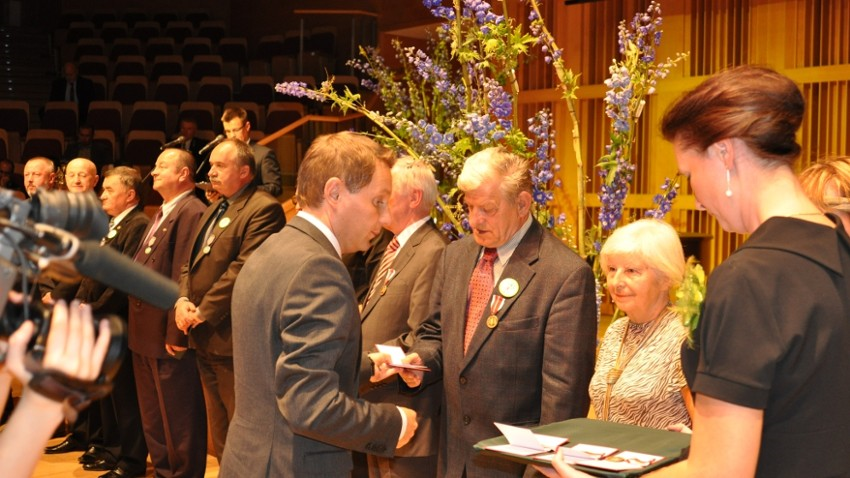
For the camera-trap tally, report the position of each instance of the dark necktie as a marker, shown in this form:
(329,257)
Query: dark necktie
(383,268)
(72,95)
(480,288)
(208,231)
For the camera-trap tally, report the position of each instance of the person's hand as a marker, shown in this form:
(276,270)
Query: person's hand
(680,427)
(412,425)
(175,350)
(212,195)
(381,369)
(71,346)
(413,378)
(564,470)
(186,315)
(47,298)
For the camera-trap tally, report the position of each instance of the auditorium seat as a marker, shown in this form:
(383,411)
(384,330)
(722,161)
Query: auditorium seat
(179,30)
(110,144)
(149,115)
(204,112)
(158,46)
(62,116)
(216,89)
(125,46)
(142,147)
(172,89)
(205,65)
(283,113)
(49,143)
(166,65)
(129,89)
(129,65)
(113,30)
(106,115)
(215,30)
(258,89)
(93,65)
(89,46)
(145,30)
(194,46)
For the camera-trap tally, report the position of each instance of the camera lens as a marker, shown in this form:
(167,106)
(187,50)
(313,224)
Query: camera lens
(78,213)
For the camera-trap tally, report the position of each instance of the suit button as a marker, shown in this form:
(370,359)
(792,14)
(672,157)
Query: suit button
(466,419)
(463,380)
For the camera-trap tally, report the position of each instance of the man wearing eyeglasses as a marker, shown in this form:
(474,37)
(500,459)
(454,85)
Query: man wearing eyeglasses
(236,125)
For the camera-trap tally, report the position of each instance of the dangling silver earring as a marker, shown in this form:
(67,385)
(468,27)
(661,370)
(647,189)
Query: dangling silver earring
(728,185)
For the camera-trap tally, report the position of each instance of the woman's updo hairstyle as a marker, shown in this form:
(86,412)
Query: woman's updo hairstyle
(754,104)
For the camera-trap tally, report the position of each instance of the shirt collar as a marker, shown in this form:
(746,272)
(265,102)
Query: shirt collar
(408,231)
(117,219)
(169,206)
(323,228)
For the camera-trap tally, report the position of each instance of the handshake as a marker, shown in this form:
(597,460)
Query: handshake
(411,370)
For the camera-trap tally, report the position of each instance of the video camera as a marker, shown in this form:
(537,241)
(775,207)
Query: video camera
(62,228)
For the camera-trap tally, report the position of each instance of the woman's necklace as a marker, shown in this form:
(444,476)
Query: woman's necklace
(624,359)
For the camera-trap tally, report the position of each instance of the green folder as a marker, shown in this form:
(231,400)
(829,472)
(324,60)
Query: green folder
(673,446)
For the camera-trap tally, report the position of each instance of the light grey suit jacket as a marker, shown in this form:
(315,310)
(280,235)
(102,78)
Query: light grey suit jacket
(533,368)
(392,318)
(296,340)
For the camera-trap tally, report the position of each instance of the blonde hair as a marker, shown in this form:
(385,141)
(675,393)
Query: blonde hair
(410,174)
(652,241)
(826,172)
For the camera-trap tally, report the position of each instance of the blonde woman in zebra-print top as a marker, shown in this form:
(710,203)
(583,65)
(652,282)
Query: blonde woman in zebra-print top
(638,378)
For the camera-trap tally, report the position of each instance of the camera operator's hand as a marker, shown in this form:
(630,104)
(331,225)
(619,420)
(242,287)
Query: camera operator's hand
(71,349)
(71,346)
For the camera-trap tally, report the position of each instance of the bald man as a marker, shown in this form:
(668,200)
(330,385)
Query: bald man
(80,175)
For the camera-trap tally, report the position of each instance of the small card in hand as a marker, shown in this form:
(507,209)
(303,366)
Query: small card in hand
(397,357)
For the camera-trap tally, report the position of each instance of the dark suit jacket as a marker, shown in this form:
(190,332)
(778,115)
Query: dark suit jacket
(393,318)
(296,339)
(207,279)
(533,368)
(268,170)
(150,328)
(84,91)
(103,298)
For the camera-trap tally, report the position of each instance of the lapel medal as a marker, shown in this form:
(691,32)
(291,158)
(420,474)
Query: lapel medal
(225,221)
(390,275)
(496,304)
(148,250)
(508,287)
(112,233)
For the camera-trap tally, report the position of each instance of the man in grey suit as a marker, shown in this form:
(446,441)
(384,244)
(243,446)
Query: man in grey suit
(296,327)
(397,304)
(236,125)
(230,230)
(525,355)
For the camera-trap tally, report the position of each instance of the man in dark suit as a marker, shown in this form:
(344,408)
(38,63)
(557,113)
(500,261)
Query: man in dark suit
(228,232)
(170,395)
(396,304)
(296,327)
(121,421)
(236,125)
(85,147)
(193,144)
(512,324)
(73,87)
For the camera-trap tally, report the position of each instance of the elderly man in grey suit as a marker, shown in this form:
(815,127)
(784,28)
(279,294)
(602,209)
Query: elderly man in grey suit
(296,327)
(512,326)
(396,304)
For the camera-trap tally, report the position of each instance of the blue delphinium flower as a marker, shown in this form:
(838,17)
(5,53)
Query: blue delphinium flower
(664,200)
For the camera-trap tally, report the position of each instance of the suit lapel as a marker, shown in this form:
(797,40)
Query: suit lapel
(227,220)
(401,260)
(313,232)
(518,269)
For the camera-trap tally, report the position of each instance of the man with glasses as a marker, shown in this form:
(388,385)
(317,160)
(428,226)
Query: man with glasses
(236,125)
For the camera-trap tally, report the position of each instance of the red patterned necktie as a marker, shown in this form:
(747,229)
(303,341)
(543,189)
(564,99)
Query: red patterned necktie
(383,268)
(480,288)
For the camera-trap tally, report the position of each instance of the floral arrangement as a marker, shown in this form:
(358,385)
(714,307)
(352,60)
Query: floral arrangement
(460,97)
(690,296)
(632,79)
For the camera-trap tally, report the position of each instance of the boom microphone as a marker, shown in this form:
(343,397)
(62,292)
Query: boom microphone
(212,144)
(110,267)
(180,139)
